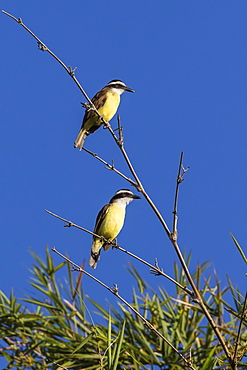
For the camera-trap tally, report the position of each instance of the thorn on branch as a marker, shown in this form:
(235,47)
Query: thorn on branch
(75,269)
(42,46)
(194,298)
(156,272)
(139,188)
(19,20)
(183,172)
(174,235)
(106,124)
(110,167)
(114,244)
(115,289)
(87,106)
(146,323)
(72,71)
(68,224)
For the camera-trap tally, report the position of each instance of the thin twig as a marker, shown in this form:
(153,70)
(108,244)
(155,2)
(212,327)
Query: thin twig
(175,210)
(69,224)
(111,167)
(115,292)
(120,131)
(239,330)
(156,269)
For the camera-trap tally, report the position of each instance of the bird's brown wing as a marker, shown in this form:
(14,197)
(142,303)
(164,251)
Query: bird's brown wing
(98,100)
(100,217)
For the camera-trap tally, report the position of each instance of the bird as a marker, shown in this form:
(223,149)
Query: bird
(106,101)
(109,223)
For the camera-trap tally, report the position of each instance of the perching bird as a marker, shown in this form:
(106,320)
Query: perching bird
(109,222)
(106,101)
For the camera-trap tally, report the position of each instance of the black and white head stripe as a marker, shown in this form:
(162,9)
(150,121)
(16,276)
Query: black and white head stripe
(118,84)
(124,193)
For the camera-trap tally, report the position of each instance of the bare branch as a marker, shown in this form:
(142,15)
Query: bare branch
(111,167)
(120,131)
(115,291)
(181,173)
(155,269)
(69,224)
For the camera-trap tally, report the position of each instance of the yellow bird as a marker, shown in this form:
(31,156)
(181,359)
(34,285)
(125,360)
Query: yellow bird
(109,222)
(106,101)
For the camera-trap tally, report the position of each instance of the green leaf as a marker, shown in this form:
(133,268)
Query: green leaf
(239,248)
(210,362)
(109,342)
(118,348)
(82,344)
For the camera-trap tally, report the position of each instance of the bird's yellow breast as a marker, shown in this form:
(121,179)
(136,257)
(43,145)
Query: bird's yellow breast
(109,108)
(113,222)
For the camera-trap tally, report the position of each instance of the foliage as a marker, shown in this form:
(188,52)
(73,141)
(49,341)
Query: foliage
(55,330)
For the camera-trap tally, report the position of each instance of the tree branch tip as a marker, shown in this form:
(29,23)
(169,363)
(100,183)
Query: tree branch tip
(158,270)
(53,249)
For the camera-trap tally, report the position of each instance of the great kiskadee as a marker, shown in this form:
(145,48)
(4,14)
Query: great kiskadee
(106,101)
(109,222)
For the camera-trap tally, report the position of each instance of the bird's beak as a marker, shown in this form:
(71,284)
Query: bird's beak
(136,197)
(128,89)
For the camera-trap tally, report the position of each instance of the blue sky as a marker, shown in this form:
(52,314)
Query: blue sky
(187,63)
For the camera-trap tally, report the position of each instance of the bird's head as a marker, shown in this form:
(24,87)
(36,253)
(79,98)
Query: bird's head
(118,86)
(124,196)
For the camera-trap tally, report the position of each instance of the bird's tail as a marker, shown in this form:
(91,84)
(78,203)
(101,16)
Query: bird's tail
(95,253)
(80,139)
(94,258)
